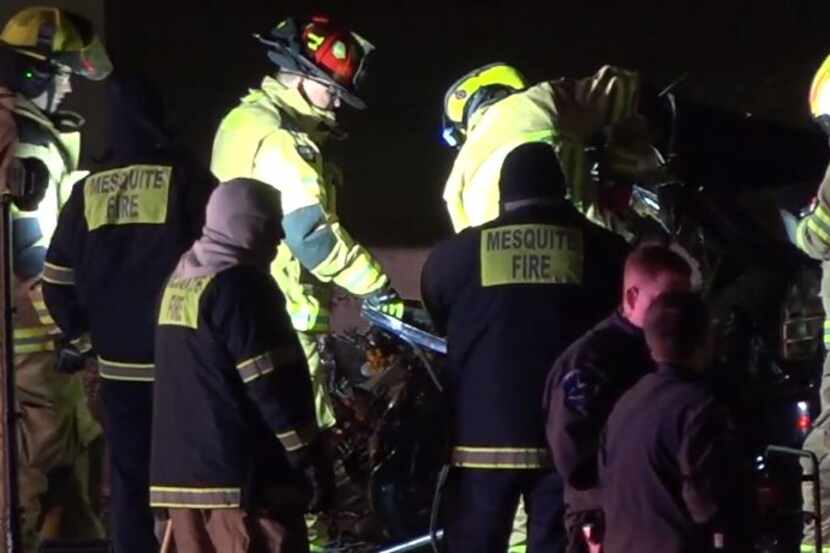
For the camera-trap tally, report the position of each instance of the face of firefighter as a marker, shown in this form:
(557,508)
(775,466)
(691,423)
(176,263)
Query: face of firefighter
(60,87)
(321,95)
(641,292)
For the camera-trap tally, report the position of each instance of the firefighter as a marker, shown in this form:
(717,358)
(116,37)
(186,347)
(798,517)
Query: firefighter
(56,427)
(510,295)
(589,377)
(235,434)
(670,456)
(118,238)
(491,110)
(278,135)
(813,237)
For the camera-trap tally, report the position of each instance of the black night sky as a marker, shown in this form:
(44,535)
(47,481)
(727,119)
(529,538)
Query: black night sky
(742,55)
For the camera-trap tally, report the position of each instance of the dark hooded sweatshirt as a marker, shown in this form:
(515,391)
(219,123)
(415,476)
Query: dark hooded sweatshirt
(120,235)
(232,392)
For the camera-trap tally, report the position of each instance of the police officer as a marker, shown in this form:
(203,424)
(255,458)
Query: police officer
(235,430)
(589,377)
(118,238)
(491,110)
(49,45)
(813,237)
(670,457)
(510,296)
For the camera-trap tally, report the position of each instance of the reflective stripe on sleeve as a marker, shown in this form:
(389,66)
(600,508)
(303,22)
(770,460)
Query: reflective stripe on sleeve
(255,367)
(56,274)
(501,458)
(133,372)
(827,334)
(297,439)
(819,228)
(42,312)
(195,498)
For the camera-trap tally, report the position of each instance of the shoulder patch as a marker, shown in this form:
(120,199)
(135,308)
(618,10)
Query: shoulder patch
(580,389)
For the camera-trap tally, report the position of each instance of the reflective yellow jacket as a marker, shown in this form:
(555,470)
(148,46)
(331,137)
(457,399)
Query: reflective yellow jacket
(275,136)
(565,113)
(59,151)
(813,238)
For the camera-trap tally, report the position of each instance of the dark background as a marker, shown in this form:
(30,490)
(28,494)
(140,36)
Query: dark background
(747,56)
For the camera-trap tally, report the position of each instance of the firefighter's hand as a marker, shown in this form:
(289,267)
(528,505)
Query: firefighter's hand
(320,477)
(71,360)
(318,473)
(386,300)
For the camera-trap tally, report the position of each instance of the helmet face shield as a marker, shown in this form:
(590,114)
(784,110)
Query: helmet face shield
(90,61)
(60,38)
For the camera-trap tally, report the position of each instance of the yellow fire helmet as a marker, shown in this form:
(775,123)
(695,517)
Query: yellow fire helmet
(478,88)
(820,96)
(56,37)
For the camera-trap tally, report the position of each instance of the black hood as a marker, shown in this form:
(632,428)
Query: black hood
(136,119)
(531,172)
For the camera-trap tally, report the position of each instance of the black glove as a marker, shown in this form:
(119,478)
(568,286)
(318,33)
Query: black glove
(71,360)
(386,300)
(318,472)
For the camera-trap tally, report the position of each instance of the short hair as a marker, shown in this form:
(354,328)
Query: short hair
(677,325)
(652,260)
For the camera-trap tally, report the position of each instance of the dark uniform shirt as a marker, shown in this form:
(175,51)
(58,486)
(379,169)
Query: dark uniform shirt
(232,392)
(118,238)
(582,388)
(667,466)
(510,296)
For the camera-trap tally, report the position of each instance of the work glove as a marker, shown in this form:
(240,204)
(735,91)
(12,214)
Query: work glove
(72,360)
(386,300)
(317,469)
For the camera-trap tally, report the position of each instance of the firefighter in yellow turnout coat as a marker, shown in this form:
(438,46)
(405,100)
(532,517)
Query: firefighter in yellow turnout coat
(491,110)
(276,135)
(56,427)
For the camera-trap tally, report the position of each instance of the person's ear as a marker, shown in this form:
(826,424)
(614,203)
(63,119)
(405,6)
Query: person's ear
(630,299)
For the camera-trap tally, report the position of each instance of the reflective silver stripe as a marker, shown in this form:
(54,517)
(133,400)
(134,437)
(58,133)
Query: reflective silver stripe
(195,498)
(82,343)
(501,457)
(255,367)
(34,339)
(297,439)
(55,274)
(134,372)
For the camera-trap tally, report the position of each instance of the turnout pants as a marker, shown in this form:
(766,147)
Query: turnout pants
(818,442)
(56,433)
(128,411)
(236,531)
(481,506)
